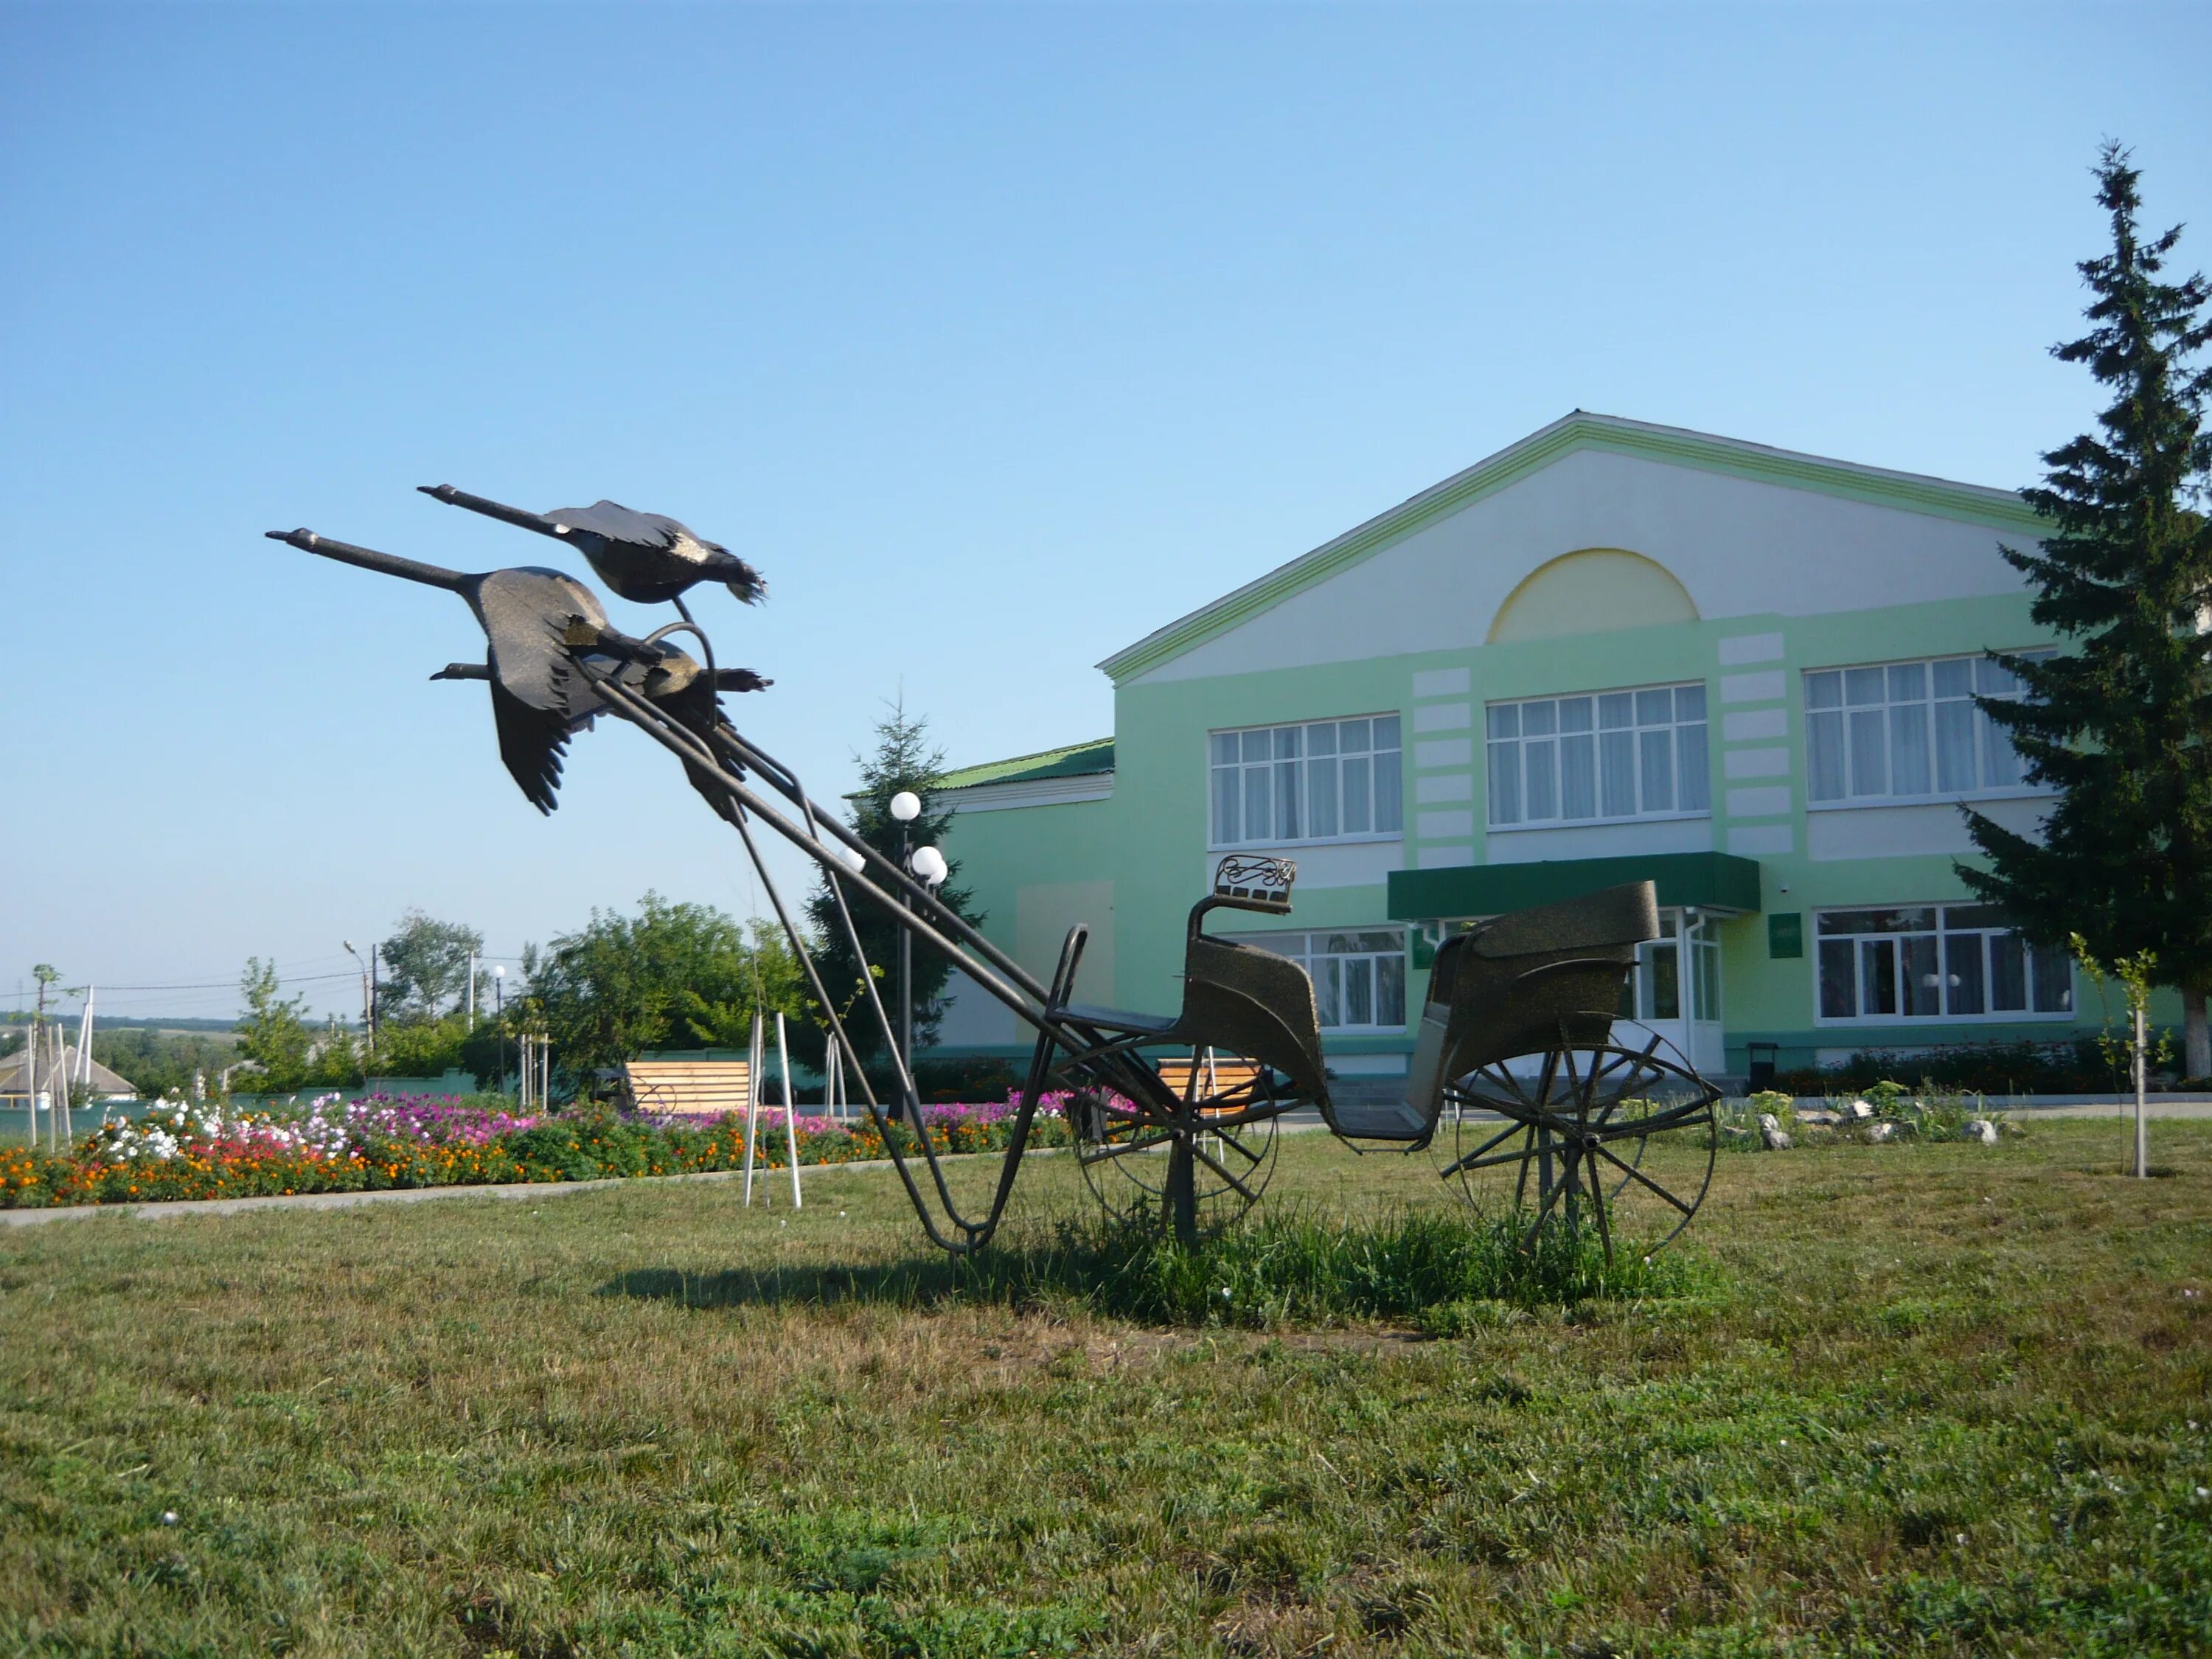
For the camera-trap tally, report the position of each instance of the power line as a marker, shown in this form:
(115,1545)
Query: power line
(227,984)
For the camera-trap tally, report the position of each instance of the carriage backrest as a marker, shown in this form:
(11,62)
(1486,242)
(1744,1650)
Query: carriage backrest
(1514,985)
(1245,1000)
(1249,1001)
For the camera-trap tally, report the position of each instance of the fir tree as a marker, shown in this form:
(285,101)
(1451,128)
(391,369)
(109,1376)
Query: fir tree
(903,759)
(2122,725)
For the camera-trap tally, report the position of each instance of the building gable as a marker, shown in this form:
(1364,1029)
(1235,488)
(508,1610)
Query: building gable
(1741,529)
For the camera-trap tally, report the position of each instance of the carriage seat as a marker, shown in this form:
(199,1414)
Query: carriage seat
(1246,1000)
(1238,998)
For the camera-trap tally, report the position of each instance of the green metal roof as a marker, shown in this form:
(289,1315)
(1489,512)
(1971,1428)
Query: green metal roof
(1719,881)
(1073,761)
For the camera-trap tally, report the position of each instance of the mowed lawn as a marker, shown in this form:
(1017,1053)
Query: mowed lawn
(1941,1400)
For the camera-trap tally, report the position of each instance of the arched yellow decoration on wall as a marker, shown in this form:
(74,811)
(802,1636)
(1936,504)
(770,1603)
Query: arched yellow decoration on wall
(1596,590)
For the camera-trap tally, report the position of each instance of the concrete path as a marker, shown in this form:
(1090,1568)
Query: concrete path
(2195,1107)
(530,1189)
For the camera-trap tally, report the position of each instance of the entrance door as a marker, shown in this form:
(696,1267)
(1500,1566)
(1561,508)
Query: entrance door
(1676,990)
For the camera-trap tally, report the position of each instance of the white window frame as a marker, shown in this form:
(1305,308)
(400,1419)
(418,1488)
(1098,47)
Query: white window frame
(1890,717)
(1299,948)
(1947,921)
(1292,763)
(1518,749)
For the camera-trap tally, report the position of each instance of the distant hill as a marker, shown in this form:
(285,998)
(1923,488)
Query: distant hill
(123,1023)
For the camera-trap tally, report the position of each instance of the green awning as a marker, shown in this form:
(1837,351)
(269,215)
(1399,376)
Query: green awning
(1717,881)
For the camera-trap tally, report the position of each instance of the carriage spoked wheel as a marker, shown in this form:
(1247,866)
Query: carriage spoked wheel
(1619,1136)
(1189,1172)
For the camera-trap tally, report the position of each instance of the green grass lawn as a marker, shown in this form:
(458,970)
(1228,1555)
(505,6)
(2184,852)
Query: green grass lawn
(1941,1400)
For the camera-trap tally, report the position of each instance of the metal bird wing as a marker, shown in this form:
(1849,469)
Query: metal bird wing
(532,742)
(537,697)
(614,522)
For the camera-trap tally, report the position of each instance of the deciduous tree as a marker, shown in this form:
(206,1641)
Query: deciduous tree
(273,1034)
(426,968)
(672,976)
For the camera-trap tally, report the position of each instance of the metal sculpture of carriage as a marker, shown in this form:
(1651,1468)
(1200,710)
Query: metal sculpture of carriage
(1536,1095)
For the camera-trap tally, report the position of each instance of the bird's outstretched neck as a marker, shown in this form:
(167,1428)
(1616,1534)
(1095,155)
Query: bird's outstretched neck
(490,509)
(391,564)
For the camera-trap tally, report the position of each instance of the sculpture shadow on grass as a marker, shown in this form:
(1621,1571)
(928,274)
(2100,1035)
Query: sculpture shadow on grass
(920,1283)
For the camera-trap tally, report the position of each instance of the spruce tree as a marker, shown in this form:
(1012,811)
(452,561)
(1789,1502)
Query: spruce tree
(2121,724)
(903,759)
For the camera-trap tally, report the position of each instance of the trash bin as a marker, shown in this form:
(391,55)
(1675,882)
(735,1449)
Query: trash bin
(1760,1058)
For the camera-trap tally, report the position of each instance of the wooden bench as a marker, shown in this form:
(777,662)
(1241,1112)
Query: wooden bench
(1215,1077)
(687,1088)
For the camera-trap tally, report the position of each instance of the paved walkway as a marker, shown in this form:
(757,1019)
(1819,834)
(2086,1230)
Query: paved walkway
(2195,1107)
(530,1189)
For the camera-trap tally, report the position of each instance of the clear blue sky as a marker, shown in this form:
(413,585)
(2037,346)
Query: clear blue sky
(997,336)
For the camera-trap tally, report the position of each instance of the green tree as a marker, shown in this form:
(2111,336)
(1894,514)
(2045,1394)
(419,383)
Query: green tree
(776,983)
(672,976)
(426,968)
(273,1034)
(904,759)
(155,1061)
(420,1046)
(337,1059)
(2122,725)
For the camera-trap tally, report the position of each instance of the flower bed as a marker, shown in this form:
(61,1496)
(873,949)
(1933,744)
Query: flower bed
(332,1145)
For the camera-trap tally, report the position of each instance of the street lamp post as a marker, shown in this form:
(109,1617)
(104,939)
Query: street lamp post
(906,807)
(498,996)
(367,994)
(926,864)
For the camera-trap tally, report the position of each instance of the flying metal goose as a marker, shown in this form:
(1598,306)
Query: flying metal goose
(644,558)
(726,679)
(538,695)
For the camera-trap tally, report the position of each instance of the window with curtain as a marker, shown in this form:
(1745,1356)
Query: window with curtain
(1950,962)
(1359,976)
(1907,731)
(1317,781)
(1607,755)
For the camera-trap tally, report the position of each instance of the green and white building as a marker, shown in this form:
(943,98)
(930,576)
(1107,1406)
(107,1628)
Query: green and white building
(1609,652)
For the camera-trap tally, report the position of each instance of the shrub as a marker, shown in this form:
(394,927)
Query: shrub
(1299,1267)
(2076,1066)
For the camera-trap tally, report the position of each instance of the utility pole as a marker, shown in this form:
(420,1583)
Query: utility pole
(46,974)
(472,990)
